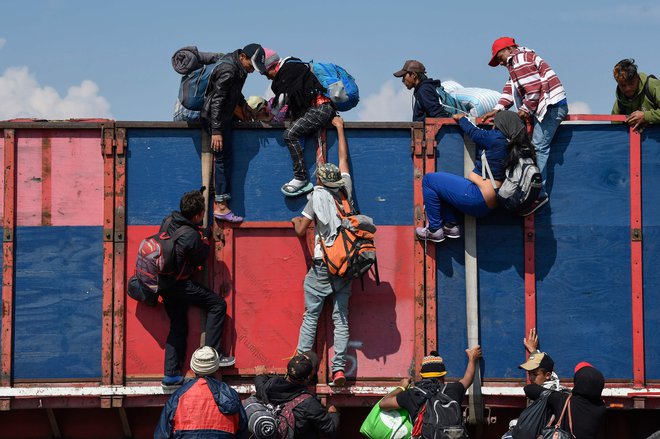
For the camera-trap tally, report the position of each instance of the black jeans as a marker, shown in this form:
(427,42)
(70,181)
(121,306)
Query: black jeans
(176,302)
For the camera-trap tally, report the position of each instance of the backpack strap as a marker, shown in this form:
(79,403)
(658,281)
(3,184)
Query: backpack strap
(344,206)
(647,90)
(567,404)
(485,169)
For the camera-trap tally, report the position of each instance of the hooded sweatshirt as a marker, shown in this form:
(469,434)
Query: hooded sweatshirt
(640,101)
(427,102)
(587,407)
(311,417)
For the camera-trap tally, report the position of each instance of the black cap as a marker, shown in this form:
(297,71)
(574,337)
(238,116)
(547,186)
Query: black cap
(257,55)
(302,366)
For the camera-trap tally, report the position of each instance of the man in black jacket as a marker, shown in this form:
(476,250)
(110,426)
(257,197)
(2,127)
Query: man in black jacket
(191,251)
(295,84)
(223,95)
(427,102)
(310,416)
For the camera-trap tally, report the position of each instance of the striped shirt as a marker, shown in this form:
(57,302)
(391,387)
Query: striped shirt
(532,84)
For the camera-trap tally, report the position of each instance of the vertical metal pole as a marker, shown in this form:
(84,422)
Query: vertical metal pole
(417,147)
(207,176)
(637,278)
(119,242)
(107,146)
(472,294)
(8,268)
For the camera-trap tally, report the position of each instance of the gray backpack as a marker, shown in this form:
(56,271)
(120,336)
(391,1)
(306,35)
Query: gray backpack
(521,187)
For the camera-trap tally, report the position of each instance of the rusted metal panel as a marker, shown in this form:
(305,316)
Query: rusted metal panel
(9,226)
(119,242)
(637,277)
(107,141)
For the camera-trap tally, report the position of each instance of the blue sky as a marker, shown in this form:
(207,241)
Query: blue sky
(72,58)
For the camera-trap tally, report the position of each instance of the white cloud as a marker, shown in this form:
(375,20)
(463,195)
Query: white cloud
(3,41)
(22,96)
(387,105)
(578,107)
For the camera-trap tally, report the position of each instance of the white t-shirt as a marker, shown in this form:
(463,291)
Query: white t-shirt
(322,231)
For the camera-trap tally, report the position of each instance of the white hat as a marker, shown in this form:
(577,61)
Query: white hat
(205,361)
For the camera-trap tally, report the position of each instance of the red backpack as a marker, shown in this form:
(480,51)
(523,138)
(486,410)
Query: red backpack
(155,267)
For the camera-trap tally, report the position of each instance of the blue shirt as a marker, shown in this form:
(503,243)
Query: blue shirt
(493,142)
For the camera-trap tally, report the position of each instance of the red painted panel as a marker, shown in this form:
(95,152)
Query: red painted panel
(381,318)
(76,177)
(147,327)
(268,270)
(25,424)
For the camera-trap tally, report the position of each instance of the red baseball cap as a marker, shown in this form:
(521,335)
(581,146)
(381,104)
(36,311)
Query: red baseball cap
(580,365)
(499,44)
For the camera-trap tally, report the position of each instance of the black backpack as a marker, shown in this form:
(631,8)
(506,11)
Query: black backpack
(269,421)
(533,419)
(440,418)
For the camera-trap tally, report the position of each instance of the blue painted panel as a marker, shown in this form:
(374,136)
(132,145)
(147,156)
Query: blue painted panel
(580,291)
(583,251)
(162,165)
(58,301)
(651,247)
(382,170)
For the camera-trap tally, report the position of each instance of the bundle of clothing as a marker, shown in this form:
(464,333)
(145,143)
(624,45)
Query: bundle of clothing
(188,59)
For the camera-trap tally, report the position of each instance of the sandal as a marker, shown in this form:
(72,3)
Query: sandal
(294,191)
(230,217)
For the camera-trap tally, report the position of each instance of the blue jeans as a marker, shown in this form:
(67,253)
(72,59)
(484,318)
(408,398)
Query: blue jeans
(222,161)
(445,193)
(319,285)
(543,133)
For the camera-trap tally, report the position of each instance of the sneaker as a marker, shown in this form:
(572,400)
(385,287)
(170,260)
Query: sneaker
(227,361)
(171,383)
(452,232)
(338,379)
(424,234)
(230,217)
(540,202)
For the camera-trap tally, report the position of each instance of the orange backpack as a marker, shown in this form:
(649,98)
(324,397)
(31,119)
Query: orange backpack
(353,252)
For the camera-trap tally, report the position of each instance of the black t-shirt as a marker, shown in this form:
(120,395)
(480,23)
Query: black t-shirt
(413,400)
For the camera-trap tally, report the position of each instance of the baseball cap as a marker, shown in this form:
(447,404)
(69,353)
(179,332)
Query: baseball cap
(257,55)
(538,359)
(302,366)
(499,44)
(410,66)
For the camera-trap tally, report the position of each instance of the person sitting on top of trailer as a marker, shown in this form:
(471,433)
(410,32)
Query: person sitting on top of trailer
(432,387)
(310,417)
(445,193)
(427,102)
(205,406)
(637,95)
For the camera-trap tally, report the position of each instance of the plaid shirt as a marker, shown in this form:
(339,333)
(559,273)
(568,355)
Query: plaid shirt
(532,81)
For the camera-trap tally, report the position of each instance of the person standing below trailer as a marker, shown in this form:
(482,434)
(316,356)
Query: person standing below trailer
(319,284)
(204,407)
(446,193)
(311,418)
(222,96)
(537,92)
(414,397)
(586,406)
(427,103)
(191,251)
(637,95)
(295,85)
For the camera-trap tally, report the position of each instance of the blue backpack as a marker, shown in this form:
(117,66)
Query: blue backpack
(449,103)
(340,85)
(193,87)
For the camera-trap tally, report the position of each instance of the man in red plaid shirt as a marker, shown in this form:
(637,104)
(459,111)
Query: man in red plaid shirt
(538,94)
